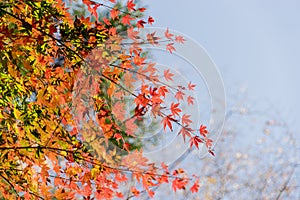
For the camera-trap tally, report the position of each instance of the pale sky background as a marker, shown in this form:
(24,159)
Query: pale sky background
(254,43)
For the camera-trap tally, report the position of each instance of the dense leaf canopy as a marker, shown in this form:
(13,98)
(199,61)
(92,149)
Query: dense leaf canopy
(57,72)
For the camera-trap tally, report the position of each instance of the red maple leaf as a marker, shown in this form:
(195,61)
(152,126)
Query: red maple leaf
(179,183)
(112,31)
(132,34)
(94,11)
(174,109)
(165,167)
(195,141)
(120,177)
(195,187)
(135,192)
(140,23)
(130,5)
(86,190)
(163,179)
(168,34)
(208,142)
(89,2)
(185,120)
(145,89)
(150,20)
(162,91)
(152,39)
(106,21)
(126,19)
(185,132)
(178,171)
(211,152)
(53,29)
(179,39)
(141,100)
(203,130)
(167,122)
(168,76)
(179,95)
(114,13)
(170,47)
(126,146)
(151,68)
(118,137)
(131,127)
(191,86)
(142,9)
(119,195)
(190,100)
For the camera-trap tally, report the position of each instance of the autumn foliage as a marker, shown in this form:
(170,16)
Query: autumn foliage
(57,72)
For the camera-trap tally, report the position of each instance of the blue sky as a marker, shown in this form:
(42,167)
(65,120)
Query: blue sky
(255,44)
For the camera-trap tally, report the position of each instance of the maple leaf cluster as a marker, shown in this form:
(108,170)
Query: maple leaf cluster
(60,70)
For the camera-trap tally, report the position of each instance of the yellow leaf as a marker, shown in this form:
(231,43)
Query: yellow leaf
(63,153)
(12,71)
(212,180)
(94,172)
(17,113)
